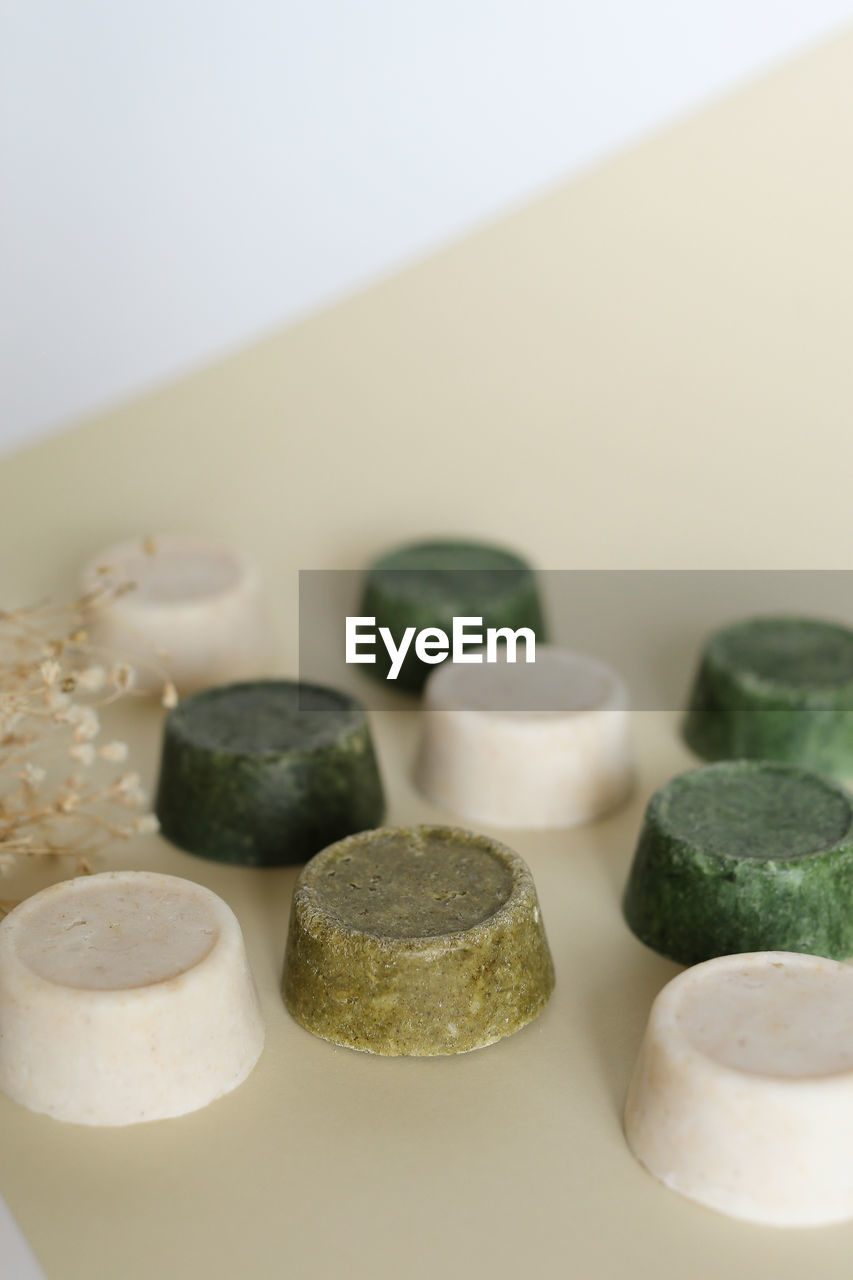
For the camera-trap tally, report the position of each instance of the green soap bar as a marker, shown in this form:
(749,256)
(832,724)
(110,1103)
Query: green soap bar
(267,772)
(428,584)
(776,689)
(421,941)
(744,855)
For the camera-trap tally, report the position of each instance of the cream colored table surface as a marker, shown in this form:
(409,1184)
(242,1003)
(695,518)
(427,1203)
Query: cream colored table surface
(649,368)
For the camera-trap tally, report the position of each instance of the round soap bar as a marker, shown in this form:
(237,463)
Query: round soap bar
(428,584)
(742,1097)
(196,611)
(542,744)
(267,772)
(124,996)
(776,689)
(744,855)
(422,941)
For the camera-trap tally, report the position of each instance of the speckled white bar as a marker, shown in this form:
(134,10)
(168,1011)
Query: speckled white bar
(196,612)
(742,1097)
(526,745)
(124,997)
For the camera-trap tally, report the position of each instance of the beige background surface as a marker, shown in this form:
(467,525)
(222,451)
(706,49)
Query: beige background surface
(650,368)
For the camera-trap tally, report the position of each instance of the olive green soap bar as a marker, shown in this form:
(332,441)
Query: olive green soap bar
(267,772)
(744,855)
(776,689)
(428,584)
(420,941)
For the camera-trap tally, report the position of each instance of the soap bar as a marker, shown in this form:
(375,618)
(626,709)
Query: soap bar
(196,611)
(776,689)
(428,584)
(422,941)
(742,1097)
(266,772)
(526,745)
(744,855)
(124,996)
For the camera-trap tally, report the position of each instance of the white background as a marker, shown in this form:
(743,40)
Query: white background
(177,177)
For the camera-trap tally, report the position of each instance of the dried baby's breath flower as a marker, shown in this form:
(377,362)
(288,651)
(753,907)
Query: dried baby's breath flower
(170,695)
(84,720)
(92,679)
(52,686)
(147,824)
(123,676)
(128,790)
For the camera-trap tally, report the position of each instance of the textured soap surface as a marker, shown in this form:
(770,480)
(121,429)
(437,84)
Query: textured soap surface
(744,856)
(422,941)
(776,689)
(428,584)
(267,772)
(742,1097)
(124,997)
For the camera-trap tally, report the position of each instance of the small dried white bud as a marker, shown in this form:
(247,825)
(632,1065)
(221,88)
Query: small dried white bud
(123,676)
(170,695)
(114,751)
(129,791)
(57,701)
(147,824)
(7,864)
(32,774)
(50,671)
(85,721)
(83,753)
(92,679)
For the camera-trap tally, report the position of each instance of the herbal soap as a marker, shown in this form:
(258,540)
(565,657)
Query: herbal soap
(267,772)
(742,1097)
(193,610)
(428,584)
(520,744)
(776,689)
(422,941)
(744,855)
(124,996)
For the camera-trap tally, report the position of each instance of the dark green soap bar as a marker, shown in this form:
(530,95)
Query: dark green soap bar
(776,689)
(744,855)
(427,584)
(267,772)
(421,941)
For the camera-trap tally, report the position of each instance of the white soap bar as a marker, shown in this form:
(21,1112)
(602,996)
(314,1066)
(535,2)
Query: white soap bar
(196,612)
(742,1097)
(535,745)
(124,996)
